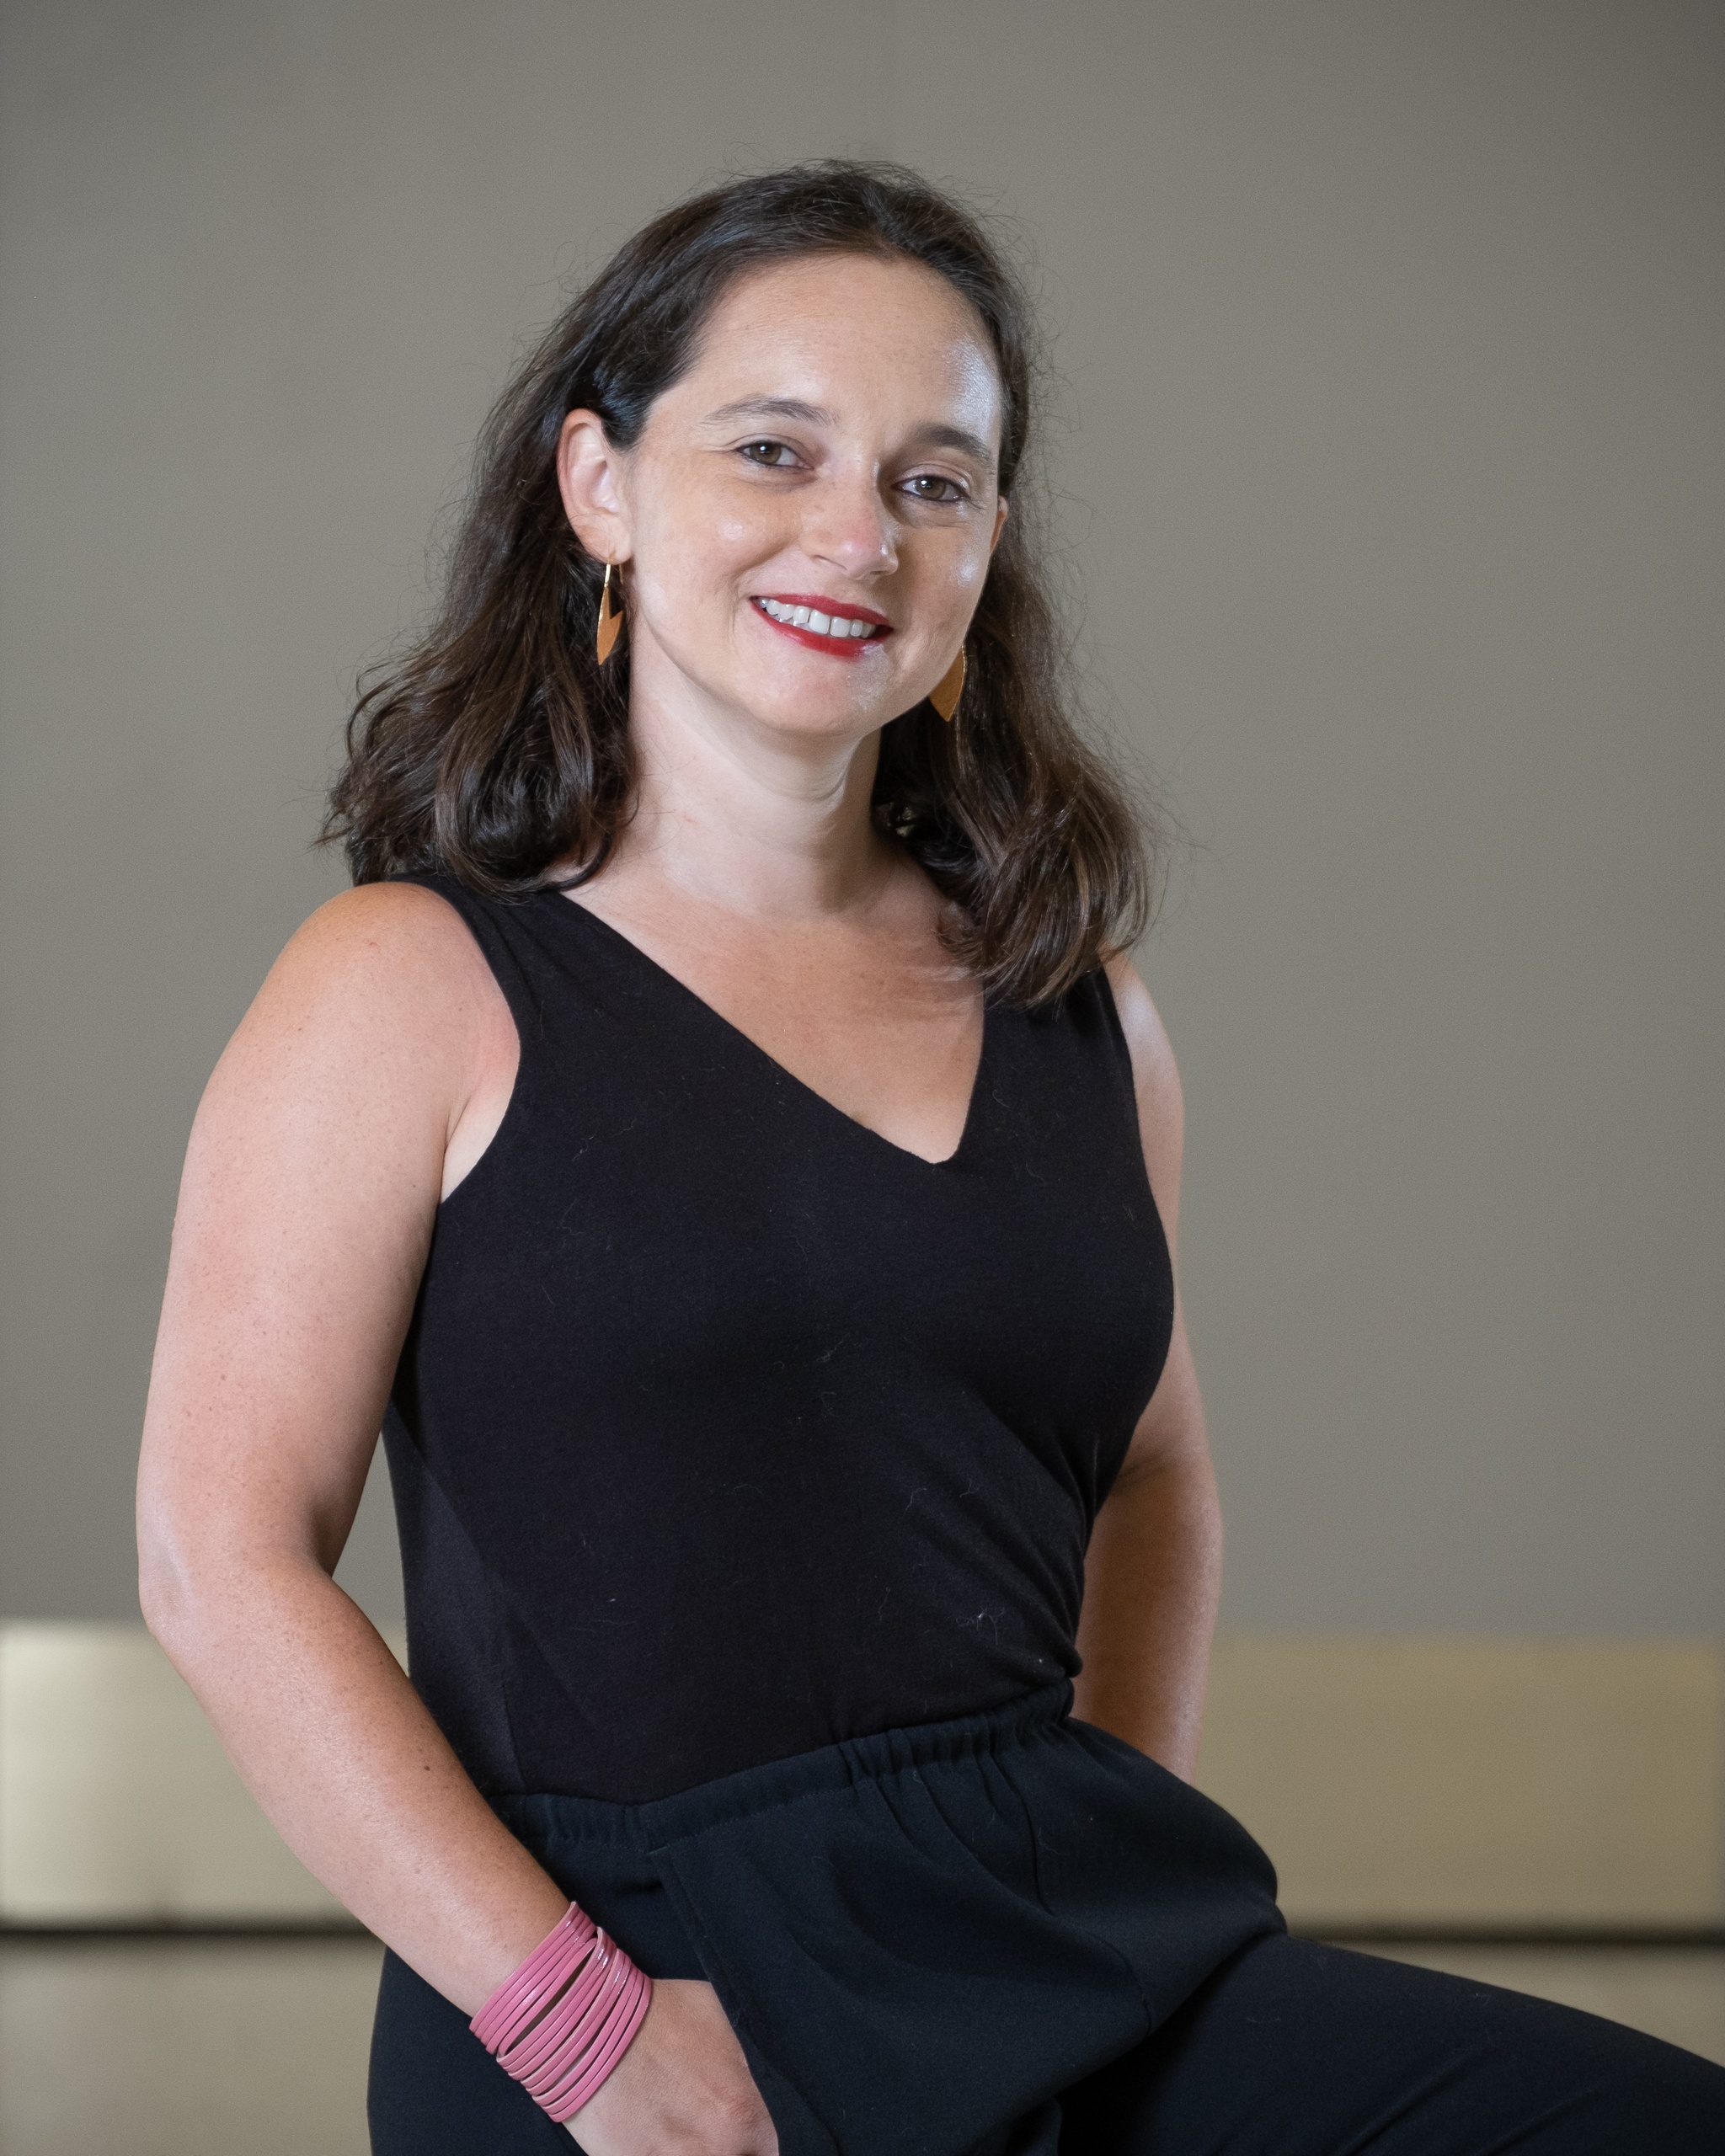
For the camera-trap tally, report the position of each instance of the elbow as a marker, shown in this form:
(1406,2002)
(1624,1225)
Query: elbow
(179,1568)
(163,1575)
(204,1583)
(165,1592)
(181,1557)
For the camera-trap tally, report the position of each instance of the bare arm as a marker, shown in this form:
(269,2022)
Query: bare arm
(372,1070)
(1154,1569)
(313,1176)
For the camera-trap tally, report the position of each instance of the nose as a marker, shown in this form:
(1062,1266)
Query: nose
(849,525)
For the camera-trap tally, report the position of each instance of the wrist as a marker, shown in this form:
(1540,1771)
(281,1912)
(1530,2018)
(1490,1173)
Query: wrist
(560,2022)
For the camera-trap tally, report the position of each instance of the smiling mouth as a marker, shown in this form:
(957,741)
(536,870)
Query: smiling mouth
(845,635)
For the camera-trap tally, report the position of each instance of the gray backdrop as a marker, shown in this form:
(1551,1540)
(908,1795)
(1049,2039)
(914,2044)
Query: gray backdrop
(1389,343)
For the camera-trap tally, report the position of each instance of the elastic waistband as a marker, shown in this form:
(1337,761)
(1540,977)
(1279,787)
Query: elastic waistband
(843,1765)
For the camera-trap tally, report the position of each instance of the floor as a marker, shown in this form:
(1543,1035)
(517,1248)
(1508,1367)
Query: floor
(247,2047)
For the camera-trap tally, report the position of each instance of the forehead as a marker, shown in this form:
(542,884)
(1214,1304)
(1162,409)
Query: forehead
(854,334)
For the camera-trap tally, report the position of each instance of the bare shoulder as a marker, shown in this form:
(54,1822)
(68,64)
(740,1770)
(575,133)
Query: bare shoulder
(395,952)
(1161,1107)
(382,987)
(385,938)
(1154,1071)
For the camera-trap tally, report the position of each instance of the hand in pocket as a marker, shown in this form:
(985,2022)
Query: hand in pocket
(683,2087)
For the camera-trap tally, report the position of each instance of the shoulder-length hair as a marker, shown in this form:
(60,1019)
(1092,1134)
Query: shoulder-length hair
(494,748)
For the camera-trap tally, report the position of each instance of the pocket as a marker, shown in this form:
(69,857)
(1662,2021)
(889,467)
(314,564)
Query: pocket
(893,1969)
(1140,1859)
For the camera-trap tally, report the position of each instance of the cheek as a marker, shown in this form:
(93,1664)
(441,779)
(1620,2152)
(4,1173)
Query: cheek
(704,545)
(955,579)
(737,536)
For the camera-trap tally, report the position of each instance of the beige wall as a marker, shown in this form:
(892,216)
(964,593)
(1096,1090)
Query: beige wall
(1450,1784)
(1389,337)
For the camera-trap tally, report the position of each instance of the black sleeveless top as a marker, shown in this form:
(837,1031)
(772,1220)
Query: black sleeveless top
(725,1429)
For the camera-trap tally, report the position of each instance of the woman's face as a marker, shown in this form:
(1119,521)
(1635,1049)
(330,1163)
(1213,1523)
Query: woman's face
(808,515)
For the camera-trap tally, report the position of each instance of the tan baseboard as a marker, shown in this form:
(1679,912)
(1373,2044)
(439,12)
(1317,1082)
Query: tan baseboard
(1489,1785)
(1477,1783)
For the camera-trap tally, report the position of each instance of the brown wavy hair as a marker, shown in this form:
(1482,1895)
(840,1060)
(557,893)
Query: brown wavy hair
(494,748)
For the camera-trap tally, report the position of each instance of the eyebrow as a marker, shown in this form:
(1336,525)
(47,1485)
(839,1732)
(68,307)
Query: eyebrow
(935,434)
(774,407)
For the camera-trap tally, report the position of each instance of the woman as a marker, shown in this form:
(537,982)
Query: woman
(721,1140)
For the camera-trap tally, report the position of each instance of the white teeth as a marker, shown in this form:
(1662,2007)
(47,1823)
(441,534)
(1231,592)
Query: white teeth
(809,617)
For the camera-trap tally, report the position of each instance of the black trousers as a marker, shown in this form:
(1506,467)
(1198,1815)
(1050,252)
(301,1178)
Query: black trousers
(1294,2049)
(1291,2049)
(1012,1935)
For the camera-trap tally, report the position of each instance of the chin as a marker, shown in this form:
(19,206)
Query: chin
(804,718)
(821,708)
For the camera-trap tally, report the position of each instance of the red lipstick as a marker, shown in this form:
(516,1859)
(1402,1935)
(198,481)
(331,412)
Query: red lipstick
(846,646)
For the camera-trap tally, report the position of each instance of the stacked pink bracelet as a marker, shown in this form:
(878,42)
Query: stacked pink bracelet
(562,2021)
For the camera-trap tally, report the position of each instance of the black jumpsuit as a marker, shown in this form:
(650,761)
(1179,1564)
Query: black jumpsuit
(745,1464)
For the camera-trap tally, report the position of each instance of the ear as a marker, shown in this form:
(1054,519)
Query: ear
(1000,523)
(589,474)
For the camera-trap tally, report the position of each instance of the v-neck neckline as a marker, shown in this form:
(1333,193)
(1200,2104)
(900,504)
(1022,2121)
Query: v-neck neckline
(972,1109)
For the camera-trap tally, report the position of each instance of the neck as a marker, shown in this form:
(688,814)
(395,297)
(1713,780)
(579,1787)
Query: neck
(749,818)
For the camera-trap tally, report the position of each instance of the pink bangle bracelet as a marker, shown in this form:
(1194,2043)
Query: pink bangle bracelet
(630,2016)
(539,2045)
(557,2082)
(514,1999)
(596,2067)
(560,2022)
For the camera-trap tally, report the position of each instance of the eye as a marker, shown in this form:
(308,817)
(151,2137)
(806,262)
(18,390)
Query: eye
(777,456)
(934,487)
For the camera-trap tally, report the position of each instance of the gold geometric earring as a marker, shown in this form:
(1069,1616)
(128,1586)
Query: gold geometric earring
(611,619)
(946,692)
